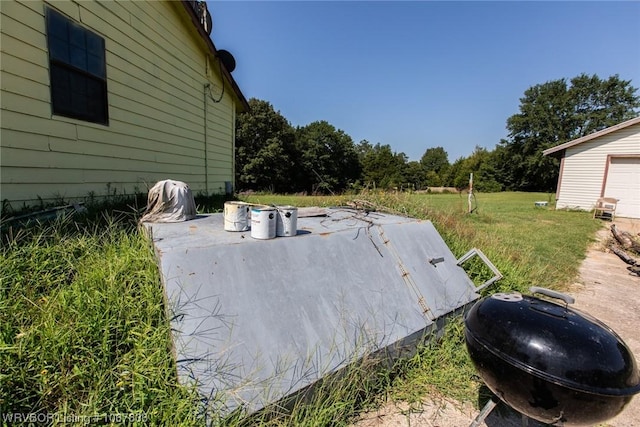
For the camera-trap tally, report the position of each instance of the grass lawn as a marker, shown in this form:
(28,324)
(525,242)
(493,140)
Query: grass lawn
(83,330)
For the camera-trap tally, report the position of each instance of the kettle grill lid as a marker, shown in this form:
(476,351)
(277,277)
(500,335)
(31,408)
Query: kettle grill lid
(555,343)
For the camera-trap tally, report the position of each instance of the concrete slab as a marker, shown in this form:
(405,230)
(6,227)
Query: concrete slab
(257,320)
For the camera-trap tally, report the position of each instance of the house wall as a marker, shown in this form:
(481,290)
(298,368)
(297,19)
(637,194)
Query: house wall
(585,165)
(157,68)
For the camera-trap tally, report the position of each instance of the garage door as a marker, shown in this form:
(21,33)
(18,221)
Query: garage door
(623,183)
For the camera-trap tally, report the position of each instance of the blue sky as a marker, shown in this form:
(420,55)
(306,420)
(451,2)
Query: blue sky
(420,74)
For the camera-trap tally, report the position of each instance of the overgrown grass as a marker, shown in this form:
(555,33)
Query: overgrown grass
(83,327)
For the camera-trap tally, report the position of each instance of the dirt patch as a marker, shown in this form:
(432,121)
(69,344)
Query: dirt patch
(607,291)
(604,289)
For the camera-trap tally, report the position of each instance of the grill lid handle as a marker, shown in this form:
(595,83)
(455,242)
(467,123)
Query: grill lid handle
(553,294)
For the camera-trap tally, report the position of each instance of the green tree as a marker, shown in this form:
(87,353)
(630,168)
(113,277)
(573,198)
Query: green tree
(599,104)
(381,166)
(363,148)
(265,149)
(556,112)
(481,163)
(454,173)
(432,179)
(435,159)
(435,162)
(328,160)
(415,175)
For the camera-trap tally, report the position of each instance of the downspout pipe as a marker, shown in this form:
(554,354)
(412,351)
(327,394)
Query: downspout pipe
(206,157)
(233,150)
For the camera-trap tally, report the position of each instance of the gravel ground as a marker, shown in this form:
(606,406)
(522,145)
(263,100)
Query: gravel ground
(604,289)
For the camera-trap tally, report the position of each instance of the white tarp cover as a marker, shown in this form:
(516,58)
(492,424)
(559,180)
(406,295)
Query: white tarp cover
(169,201)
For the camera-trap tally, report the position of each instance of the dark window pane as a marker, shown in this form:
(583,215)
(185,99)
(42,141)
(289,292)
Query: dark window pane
(96,100)
(78,58)
(96,65)
(62,102)
(57,25)
(60,77)
(58,49)
(78,83)
(78,104)
(76,36)
(78,70)
(95,44)
(94,88)
(60,90)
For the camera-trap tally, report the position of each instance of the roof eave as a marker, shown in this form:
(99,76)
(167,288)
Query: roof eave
(212,49)
(554,153)
(559,150)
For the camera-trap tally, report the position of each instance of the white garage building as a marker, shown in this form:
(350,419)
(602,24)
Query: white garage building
(603,164)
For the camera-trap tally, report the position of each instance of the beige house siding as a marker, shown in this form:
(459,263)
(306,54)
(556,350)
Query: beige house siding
(585,167)
(157,69)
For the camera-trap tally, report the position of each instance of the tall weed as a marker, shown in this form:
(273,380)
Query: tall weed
(82,326)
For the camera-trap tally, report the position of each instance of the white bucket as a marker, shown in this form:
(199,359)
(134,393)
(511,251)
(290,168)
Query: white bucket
(287,221)
(263,222)
(236,216)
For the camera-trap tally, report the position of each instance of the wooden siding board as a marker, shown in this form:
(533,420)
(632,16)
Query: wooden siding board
(128,80)
(146,53)
(165,36)
(585,166)
(165,148)
(18,30)
(156,72)
(19,158)
(154,140)
(16,139)
(181,135)
(116,10)
(18,66)
(166,151)
(25,105)
(19,193)
(69,8)
(51,179)
(221,112)
(163,110)
(154,88)
(30,17)
(218,150)
(34,6)
(118,153)
(20,86)
(28,52)
(218,115)
(53,176)
(216,163)
(122,41)
(29,124)
(167,33)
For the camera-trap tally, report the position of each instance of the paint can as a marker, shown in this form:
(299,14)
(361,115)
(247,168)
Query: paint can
(236,216)
(263,222)
(287,221)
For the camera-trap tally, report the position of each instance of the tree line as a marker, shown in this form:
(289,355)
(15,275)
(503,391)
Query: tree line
(272,155)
